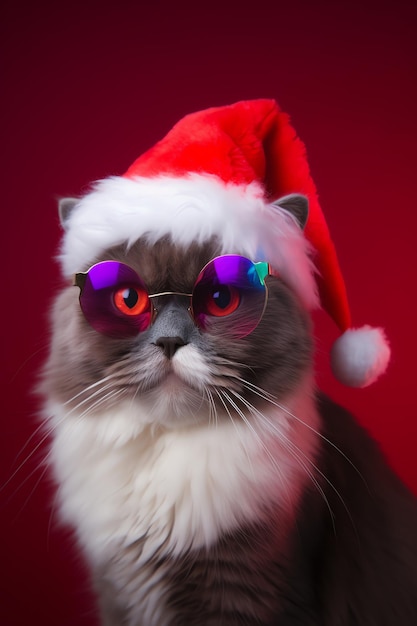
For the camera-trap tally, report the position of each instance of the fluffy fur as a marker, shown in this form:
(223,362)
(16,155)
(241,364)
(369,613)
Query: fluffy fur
(190,210)
(360,356)
(215,487)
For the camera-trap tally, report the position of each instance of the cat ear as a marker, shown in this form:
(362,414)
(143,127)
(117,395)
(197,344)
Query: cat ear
(65,207)
(297,205)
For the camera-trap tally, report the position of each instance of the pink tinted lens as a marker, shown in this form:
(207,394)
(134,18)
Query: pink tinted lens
(229,296)
(100,299)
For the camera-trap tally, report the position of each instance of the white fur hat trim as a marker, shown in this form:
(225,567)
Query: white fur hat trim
(190,209)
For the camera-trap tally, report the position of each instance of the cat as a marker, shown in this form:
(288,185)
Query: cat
(209,481)
(215,485)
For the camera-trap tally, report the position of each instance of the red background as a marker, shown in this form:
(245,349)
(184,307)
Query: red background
(86,90)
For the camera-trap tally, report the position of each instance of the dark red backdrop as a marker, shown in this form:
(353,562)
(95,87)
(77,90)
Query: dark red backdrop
(87,90)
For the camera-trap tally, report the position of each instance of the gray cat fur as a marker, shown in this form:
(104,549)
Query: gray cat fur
(350,558)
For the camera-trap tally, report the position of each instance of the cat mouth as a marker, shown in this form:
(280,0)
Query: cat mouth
(172,398)
(172,382)
(185,375)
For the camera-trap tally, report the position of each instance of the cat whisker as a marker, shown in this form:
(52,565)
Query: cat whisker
(26,479)
(220,393)
(212,407)
(26,460)
(274,401)
(81,417)
(87,389)
(29,439)
(330,442)
(36,431)
(222,360)
(38,482)
(255,389)
(297,454)
(258,414)
(110,395)
(43,348)
(293,449)
(51,427)
(88,399)
(54,506)
(291,446)
(28,456)
(96,403)
(256,435)
(135,395)
(48,455)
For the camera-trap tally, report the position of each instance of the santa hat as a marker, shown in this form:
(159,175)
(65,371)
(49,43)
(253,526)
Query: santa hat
(218,173)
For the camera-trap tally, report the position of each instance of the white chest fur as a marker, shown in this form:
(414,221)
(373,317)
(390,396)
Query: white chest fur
(183,488)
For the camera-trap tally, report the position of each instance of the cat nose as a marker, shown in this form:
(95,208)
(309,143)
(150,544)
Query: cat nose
(170,345)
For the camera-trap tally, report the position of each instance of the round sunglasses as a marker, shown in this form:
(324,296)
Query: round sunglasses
(230,294)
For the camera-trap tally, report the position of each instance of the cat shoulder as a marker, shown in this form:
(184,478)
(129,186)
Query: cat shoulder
(370,536)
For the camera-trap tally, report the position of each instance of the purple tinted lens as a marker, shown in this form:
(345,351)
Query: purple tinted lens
(114,299)
(229,296)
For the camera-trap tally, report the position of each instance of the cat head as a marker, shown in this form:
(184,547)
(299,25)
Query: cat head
(205,190)
(174,372)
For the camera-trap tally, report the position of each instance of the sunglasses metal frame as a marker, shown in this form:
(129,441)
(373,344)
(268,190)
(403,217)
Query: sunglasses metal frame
(263,269)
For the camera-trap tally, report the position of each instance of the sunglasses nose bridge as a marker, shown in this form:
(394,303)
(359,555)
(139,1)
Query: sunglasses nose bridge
(155,309)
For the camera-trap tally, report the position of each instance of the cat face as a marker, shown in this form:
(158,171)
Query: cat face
(199,376)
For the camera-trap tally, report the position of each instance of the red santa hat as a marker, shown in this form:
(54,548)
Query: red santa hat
(218,173)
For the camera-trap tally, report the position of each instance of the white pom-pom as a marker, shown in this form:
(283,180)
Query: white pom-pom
(360,356)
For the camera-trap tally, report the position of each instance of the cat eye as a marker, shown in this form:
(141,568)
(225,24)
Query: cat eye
(131,300)
(229,295)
